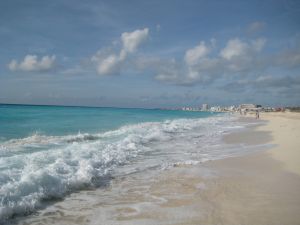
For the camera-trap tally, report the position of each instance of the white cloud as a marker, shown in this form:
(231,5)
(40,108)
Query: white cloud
(193,55)
(109,63)
(200,65)
(235,47)
(31,63)
(132,40)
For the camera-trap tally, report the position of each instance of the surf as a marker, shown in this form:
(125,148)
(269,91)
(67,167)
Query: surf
(42,167)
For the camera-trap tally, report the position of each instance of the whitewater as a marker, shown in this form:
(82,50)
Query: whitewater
(46,153)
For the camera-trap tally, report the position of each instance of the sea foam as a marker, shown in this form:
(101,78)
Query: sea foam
(41,167)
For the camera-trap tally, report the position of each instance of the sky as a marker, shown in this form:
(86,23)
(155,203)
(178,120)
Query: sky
(150,54)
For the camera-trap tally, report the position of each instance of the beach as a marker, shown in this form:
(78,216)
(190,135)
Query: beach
(257,188)
(260,188)
(150,113)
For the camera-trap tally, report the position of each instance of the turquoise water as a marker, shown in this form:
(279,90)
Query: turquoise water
(19,121)
(48,152)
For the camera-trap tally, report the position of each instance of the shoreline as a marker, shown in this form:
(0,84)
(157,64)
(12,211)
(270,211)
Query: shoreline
(256,188)
(267,183)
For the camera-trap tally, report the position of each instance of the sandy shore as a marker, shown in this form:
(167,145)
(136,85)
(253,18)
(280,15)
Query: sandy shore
(261,188)
(285,128)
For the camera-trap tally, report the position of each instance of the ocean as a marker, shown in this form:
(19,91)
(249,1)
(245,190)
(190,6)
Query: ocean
(50,152)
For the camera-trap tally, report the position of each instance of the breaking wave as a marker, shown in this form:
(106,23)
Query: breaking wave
(41,167)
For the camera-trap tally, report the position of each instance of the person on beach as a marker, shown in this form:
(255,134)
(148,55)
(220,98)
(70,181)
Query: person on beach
(257,114)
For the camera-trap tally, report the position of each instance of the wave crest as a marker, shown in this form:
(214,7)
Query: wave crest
(43,167)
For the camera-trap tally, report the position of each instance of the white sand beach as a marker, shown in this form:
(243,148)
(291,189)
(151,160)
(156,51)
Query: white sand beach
(174,112)
(258,188)
(285,128)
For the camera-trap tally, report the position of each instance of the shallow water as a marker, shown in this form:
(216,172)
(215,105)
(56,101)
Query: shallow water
(44,158)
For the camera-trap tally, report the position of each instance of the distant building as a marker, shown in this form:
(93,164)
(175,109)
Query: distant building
(247,106)
(250,107)
(205,107)
(215,109)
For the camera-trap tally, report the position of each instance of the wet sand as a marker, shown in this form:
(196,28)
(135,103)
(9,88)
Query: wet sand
(259,188)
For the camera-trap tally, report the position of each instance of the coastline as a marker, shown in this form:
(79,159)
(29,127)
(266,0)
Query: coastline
(264,187)
(256,188)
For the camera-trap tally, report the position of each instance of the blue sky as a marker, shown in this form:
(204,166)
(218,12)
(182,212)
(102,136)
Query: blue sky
(150,53)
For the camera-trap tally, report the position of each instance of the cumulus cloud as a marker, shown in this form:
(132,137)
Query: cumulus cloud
(242,56)
(108,63)
(204,63)
(192,56)
(132,40)
(31,63)
(234,48)
(200,65)
(237,56)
